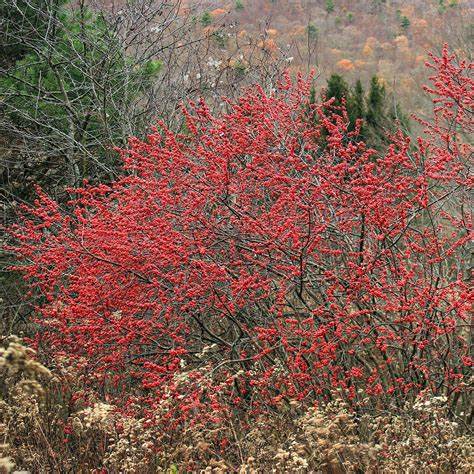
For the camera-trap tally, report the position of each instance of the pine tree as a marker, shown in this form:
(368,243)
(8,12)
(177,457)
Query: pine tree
(337,88)
(206,19)
(377,115)
(330,5)
(24,24)
(375,102)
(312,31)
(356,106)
(405,23)
(50,95)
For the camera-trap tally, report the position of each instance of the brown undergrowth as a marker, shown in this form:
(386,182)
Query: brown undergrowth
(43,431)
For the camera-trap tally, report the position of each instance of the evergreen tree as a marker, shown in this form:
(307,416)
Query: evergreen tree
(380,117)
(356,106)
(441,7)
(337,88)
(70,91)
(330,5)
(377,115)
(405,23)
(24,24)
(312,31)
(375,102)
(206,19)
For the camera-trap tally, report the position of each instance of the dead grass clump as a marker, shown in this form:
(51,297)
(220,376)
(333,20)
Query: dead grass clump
(21,396)
(424,439)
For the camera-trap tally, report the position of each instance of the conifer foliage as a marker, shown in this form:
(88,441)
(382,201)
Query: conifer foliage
(243,264)
(374,110)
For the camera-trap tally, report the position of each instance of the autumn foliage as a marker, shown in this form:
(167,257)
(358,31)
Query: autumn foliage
(244,263)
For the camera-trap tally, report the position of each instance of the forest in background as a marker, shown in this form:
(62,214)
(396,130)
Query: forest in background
(136,62)
(77,81)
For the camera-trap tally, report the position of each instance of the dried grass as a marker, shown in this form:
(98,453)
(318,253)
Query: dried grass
(35,418)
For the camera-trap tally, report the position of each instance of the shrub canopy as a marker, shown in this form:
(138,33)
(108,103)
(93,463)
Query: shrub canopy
(242,263)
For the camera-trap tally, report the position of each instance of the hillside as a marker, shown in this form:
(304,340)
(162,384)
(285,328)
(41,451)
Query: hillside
(355,39)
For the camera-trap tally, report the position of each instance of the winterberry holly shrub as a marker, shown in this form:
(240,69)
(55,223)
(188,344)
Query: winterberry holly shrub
(243,263)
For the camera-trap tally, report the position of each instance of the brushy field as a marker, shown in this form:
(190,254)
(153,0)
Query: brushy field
(44,430)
